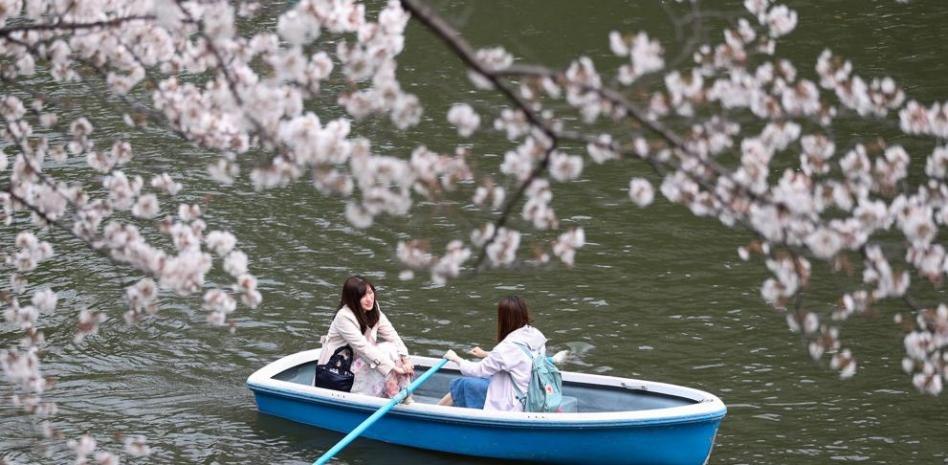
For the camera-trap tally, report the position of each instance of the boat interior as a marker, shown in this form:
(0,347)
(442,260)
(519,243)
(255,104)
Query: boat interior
(577,397)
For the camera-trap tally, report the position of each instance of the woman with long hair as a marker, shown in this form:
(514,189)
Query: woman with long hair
(489,383)
(381,365)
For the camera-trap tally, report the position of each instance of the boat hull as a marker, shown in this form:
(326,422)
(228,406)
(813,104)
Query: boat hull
(548,438)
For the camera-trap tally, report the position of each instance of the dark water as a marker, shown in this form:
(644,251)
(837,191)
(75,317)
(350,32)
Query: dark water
(656,294)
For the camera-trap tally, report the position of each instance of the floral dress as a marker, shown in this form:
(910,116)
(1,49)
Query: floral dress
(368,380)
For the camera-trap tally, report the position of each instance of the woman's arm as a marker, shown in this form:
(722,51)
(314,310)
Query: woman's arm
(387,332)
(348,328)
(492,363)
(478,352)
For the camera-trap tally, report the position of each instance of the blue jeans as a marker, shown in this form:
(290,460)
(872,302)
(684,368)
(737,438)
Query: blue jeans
(469,392)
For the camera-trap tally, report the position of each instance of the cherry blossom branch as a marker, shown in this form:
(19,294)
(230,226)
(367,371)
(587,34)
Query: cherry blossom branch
(455,41)
(461,48)
(134,104)
(100,250)
(65,26)
(842,361)
(89,243)
(224,69)
(663,132)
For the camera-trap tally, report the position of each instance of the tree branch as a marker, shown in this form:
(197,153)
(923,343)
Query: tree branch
(64,26)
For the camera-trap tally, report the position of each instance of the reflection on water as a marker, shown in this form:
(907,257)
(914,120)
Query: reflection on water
(656,295)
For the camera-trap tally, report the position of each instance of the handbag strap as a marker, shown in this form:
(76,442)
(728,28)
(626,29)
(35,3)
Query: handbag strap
(342,348)
(341,357)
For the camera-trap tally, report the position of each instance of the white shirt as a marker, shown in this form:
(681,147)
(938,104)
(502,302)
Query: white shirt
(506,357)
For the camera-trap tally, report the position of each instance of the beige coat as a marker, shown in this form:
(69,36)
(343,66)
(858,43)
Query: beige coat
(344,329)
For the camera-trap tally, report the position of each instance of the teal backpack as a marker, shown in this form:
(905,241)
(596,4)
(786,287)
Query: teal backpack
(545,391)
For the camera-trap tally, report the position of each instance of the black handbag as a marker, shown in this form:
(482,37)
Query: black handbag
(336,373)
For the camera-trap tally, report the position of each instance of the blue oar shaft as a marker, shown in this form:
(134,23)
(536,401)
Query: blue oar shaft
(378,414)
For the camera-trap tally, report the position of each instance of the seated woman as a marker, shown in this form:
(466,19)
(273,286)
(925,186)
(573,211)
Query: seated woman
(381,366)
(489,383)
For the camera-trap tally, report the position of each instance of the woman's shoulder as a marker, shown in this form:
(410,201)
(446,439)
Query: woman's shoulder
(344,314)
(525,335)
(525,331)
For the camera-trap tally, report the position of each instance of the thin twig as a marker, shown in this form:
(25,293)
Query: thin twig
(64,26)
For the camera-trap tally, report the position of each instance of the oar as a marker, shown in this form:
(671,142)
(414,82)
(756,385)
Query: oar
(378,414)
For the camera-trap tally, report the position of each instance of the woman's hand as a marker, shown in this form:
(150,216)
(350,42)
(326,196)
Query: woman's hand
(399,370)
(478,352)
(407,365)
(452,356)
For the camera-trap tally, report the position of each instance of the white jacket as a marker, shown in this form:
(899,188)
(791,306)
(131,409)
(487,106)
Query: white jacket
(507,357)
(344,329)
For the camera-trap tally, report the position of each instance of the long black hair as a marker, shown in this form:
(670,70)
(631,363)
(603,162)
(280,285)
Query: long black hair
(353,290)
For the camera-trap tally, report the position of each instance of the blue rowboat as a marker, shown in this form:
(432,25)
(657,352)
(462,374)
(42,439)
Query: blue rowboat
(606,419)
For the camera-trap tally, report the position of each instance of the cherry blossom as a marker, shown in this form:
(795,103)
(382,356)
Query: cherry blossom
(567,244)
(645,55)
(641,192)
(503,249)
(464,117)
(734,132)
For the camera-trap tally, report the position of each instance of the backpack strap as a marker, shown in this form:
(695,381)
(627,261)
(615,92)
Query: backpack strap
(521,396)
(526,349)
